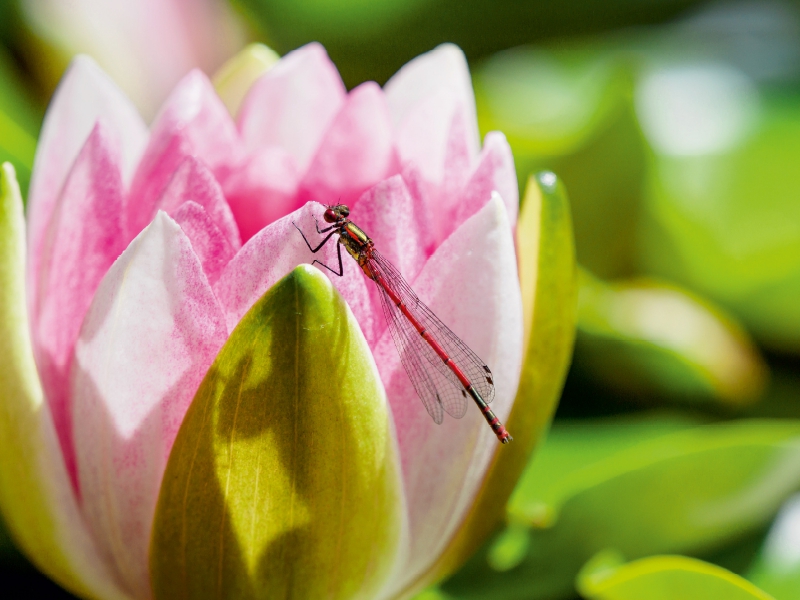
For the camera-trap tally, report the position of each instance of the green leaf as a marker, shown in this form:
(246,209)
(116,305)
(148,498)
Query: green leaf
(726,223)
(549,295)
(663,578)
(549,102)
(284,478)
(650,338)
(569,110)
(777,568)
(370,40)
(20,119)
(643,485)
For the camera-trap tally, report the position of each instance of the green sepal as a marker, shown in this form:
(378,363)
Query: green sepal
(662,578)
(283,480)
(548,280)
(28,446)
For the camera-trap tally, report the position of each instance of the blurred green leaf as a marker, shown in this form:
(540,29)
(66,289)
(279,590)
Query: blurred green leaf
(283,476)
(662,578)
(728,223)
(549,102)
(20,118)
(569,110)
(647,337)
(644,485)
(777,568)
(372,40)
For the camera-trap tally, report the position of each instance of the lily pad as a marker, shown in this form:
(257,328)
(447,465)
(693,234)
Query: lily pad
(644,485)
(284,478)
(777,567)
(568,110)
(663,578)
(649,338)
(727,223)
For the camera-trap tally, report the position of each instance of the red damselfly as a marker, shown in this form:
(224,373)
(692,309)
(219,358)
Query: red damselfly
(442,368)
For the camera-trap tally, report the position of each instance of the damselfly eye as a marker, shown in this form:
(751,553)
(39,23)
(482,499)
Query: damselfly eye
(329,216)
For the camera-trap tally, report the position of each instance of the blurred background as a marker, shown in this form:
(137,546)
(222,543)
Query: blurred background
(675,126)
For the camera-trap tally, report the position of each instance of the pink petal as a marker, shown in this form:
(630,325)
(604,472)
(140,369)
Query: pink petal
(193,181)
(494,173)
(357,151)
(397,221)
(193,122)
(423,93)
(443,68)
(153,330)
(471,284)
(263,189)
(433,138)
(83,240)
(84,95)
(276,250)
(433,110)
(208,242)
(292,105)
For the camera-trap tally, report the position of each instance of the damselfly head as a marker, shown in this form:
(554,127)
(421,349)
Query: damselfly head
(336,213)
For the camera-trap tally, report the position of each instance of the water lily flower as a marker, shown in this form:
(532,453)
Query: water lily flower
(187,407)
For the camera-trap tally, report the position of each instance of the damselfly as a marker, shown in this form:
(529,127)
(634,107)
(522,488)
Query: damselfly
(442,368)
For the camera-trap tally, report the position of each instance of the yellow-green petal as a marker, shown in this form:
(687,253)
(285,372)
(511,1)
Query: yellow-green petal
(662,578)
(548,280)
(234,79)
(283,481)
(35,493)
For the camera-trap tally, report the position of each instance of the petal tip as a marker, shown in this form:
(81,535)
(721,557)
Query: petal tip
(309,276)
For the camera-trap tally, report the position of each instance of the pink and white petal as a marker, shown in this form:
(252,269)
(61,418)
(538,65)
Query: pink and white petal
(471,283)
(494,173)
(424,135)
(83,240)
(193,122)
(38,501)
(293,104)
(152,332)
(194,182)
(434,137)
(357,151)
(263,189)
(85,95)
(398,223)
(208,242)
(443,68)
(276,250)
